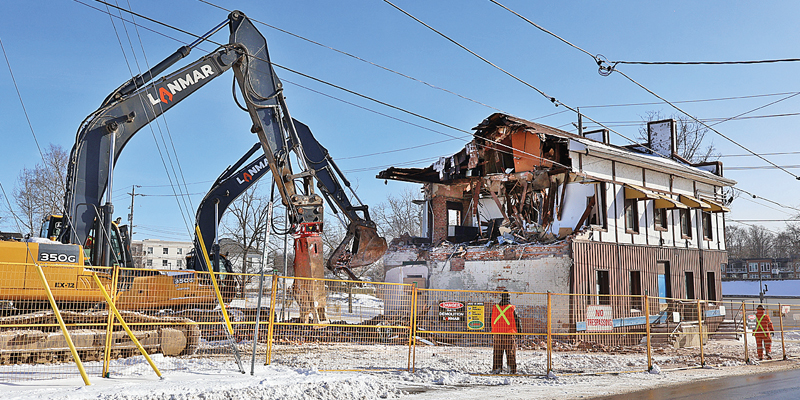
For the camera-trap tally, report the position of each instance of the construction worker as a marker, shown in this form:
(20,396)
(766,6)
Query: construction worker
(506,323)
(762,333)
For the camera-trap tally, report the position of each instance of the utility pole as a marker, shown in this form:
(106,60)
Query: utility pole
(130,215)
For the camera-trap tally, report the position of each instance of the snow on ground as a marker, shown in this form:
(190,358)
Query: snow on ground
(441,371)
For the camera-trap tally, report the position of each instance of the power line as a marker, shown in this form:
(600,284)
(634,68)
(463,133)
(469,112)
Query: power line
(766,199)
(605,69)
(767,61)
(520,153)
(359,58)
(688,101)
(766,154)
(760,167)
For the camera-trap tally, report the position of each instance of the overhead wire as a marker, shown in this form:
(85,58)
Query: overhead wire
(607,68)
(186,210)
(556,102)
(359,58)
(688,101)
(520,153)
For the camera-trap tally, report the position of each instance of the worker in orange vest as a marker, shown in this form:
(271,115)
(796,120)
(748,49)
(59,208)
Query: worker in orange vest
(505,323)
(762,333)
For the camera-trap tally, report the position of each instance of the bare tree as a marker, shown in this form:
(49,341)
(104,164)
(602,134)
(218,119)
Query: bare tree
(690,135)
(245,224)
(399,215)
(40,190)
(736,241)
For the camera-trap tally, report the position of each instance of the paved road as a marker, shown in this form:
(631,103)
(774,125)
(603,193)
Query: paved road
(782,385)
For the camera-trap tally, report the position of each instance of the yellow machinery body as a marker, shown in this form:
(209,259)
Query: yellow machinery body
(63,267)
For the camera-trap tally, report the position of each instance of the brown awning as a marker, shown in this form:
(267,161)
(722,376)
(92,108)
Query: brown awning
(638,192)
(694,202)
(659,200)
(717,206)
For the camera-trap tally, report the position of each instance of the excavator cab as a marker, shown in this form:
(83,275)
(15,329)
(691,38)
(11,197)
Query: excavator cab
(51,227)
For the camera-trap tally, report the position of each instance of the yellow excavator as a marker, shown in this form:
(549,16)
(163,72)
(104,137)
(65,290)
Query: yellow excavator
(86,236)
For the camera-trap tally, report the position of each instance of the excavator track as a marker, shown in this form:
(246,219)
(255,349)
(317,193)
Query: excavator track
(21,343)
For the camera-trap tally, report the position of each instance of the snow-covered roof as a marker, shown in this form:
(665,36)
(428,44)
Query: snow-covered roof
(788,288)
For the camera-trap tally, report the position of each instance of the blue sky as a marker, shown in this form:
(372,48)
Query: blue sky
(66,58)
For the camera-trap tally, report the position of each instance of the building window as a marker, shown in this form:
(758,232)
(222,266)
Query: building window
(164,263)
(149,263)
(149,250)
(797,266)
(686,224)
(765,267)
(707,226)
(766,276)
(165,251)
(454,210)
(179,263)
(661,221)
(722,267)
(598,216)
(753,276)
(712,286)
(689,284)
(631,216)
(753,267)
(603,287)
(636,290)
(180,250)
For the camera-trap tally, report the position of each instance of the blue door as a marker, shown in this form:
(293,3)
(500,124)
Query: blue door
(662,288)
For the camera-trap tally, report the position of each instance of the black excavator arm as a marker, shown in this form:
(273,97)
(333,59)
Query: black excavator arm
(105,132)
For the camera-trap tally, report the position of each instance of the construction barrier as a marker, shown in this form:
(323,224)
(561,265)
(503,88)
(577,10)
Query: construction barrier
(75,322)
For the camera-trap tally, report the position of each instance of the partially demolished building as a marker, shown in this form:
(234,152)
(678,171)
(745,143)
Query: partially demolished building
(530,208)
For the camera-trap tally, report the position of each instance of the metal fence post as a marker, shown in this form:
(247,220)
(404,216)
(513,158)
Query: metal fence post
(271,328)
(783,341)
(647,330)
(124,325)
(700,330)
(412,341)
(744,333)
(549,334)
(110,326)
(63,326)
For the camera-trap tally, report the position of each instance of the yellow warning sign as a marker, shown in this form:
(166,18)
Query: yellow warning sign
(475,316)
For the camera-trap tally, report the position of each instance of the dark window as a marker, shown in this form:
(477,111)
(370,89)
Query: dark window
(603,287)
(712,287)
(165,250)
(631,216)
(660,216)
(636,290)
(598,214)
(686,223)
(689,285)
(707,226)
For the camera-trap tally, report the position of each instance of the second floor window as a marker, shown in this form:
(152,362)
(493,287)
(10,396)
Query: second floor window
(180,250)
(631,216)
(686,224)
(166,250)
(149,250)
(707,234)
(661,220)
(753,267)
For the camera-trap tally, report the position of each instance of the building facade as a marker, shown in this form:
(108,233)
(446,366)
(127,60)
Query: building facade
(160,254)
(762,268)
(530,208)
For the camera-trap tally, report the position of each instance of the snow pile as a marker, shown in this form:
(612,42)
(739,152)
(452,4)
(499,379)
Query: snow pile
(208,380)
(359,300)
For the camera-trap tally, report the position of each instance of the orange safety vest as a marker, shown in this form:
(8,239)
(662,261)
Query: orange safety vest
(503,319)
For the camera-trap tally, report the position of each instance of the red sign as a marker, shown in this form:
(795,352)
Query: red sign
(453,305)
